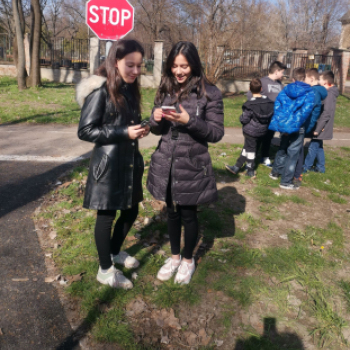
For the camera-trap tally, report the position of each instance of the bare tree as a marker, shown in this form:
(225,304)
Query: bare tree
(34,76)
(21,68)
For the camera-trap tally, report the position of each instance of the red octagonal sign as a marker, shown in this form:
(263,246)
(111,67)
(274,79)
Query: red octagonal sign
(108,19)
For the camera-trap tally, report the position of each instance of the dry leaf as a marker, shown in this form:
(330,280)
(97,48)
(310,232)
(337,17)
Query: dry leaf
(136,307)
(157,205)
(218,342)
(20,279)
(66,184)
(75,278)
(53,235)
(49,279)
(1,333)
(204,338)
(156,315)
(130,238)
(199,260)
(165,340)
(191,338)
(153,241)
(172,321)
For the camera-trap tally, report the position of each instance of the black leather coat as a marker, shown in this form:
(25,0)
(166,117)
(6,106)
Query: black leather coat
(116,165)
(182,155)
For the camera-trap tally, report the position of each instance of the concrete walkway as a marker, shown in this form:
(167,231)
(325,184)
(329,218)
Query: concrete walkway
(59,143)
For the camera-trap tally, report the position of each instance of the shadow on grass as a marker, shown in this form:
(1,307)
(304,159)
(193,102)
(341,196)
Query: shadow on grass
(73,340)
(216,220)
(36,117)
(271,339)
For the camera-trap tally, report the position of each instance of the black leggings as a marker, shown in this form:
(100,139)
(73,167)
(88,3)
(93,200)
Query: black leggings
(107,245)
(188,215)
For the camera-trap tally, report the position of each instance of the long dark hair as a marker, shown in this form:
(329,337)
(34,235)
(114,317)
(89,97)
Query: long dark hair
(118,51)
(169,84)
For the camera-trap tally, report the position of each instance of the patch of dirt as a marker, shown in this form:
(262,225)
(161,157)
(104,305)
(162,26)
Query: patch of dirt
(201,325)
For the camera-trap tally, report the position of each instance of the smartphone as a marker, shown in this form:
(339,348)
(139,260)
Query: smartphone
(145,123)
(168,108)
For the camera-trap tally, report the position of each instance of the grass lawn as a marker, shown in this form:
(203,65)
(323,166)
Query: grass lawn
(273,266)
(55,103)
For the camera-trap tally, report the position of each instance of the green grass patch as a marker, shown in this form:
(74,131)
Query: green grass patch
(337,199)
(309,257)
(55,103)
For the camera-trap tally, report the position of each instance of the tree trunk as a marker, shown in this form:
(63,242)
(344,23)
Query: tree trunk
(34,76)
(21,65)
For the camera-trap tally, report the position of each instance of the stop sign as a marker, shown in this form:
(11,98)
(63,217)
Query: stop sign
(110,19)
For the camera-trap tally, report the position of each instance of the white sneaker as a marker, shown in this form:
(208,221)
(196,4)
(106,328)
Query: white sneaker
(123,258)
(114,278)
(185,272)
(266,161)
(168,269)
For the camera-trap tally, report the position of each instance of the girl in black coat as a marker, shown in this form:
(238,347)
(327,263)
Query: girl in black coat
(180,172)
(110,118)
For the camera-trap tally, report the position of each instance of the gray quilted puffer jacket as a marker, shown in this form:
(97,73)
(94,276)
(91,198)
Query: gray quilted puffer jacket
(182,155)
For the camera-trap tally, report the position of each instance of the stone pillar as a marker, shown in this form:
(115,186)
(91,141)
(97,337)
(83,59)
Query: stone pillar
(94,54)
(27,51)
(343,69)
(158,62)
(345,32)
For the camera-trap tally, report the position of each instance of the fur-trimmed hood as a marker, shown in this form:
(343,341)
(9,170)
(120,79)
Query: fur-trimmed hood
(87,86)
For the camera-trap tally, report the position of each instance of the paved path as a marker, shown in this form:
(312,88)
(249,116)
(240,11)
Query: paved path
(59,143)
(31,316)
(32,157)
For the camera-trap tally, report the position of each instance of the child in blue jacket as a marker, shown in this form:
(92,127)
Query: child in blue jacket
(312,78)
(293,106)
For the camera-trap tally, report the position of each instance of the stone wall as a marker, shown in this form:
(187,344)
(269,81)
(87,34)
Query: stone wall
(7,70)
(65,75)
(233,86)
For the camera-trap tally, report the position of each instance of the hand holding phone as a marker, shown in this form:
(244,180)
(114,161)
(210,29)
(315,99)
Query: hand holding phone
(168,108)
(145,123)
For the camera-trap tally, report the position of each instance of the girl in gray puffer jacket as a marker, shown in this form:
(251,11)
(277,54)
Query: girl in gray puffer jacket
(256,116)
(188,113)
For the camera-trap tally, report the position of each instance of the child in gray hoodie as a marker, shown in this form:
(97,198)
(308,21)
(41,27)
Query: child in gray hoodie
(324,126)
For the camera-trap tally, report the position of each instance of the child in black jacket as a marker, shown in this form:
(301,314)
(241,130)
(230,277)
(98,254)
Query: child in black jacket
(256,116)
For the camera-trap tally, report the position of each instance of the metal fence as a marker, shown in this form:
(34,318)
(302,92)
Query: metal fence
(6,48)
(68,53)
(246,64)
(252,63)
